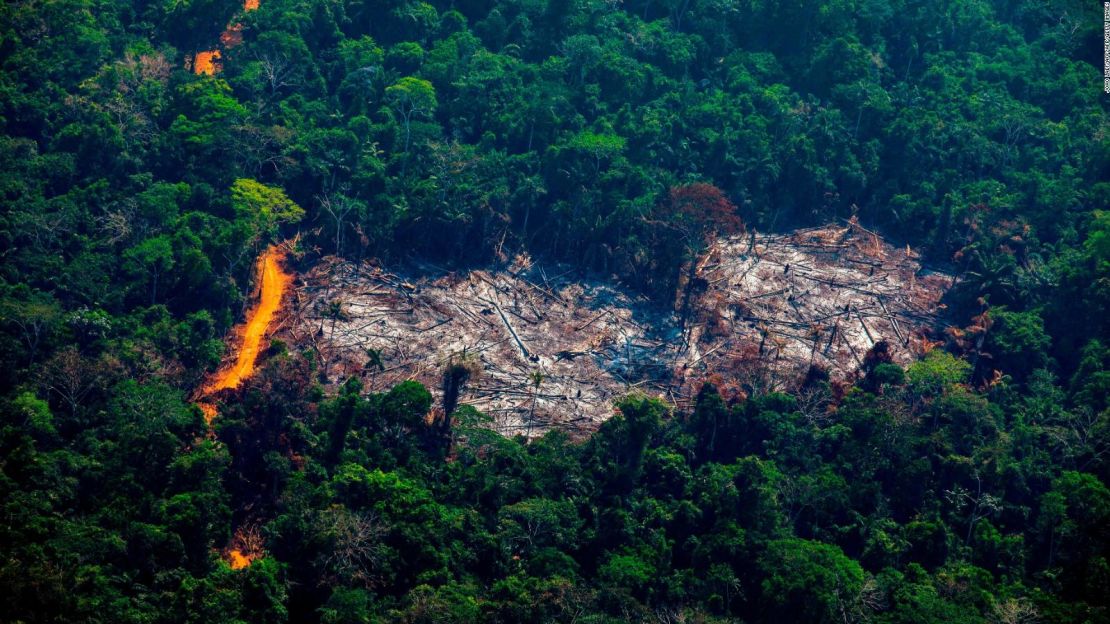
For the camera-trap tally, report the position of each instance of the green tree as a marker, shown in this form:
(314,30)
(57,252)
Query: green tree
(264,207)
(152,258)
(812,582)
(412,98)
(937,373)
(1018,342)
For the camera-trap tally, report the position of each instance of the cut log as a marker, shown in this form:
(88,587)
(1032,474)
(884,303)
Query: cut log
(512,332)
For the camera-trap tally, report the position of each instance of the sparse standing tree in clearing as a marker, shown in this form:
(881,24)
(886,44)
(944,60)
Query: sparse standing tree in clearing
(337,206)
(536,377)
(698,213)
(460,368)
(336,313)
(374,363)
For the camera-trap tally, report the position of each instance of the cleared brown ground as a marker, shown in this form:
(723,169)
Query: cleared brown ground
(553,350)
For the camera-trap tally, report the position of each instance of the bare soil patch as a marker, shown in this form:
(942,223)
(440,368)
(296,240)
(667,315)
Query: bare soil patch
(555,351)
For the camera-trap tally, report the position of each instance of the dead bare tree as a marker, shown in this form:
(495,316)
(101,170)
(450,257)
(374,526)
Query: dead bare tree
(72,377)
(1015,611)
(1085,438)
(277,71)
(981,504)
(357,550)
(813,402)
(338,206)
(258,147)
(117,222)
(249,542)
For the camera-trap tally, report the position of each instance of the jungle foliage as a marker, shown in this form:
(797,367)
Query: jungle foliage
(135,195)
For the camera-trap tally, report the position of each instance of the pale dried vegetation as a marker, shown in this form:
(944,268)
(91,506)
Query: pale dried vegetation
(548,349)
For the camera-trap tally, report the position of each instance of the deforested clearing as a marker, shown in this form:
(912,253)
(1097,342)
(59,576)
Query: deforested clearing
(554,350)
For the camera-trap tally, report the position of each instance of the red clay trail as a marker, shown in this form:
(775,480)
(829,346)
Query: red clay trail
(273,283)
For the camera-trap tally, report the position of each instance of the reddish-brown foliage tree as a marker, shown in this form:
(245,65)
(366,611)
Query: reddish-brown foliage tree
(699,212)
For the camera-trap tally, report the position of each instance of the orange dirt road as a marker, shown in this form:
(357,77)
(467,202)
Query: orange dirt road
(273,283)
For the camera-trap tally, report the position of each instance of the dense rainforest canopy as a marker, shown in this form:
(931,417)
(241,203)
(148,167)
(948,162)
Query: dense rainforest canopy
(135,196)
